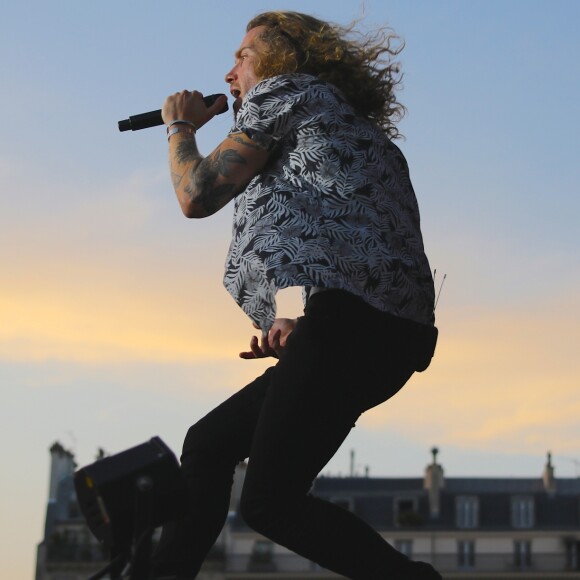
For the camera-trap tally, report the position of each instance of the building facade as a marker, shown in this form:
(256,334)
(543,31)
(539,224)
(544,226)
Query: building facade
(469,528)
(68,550)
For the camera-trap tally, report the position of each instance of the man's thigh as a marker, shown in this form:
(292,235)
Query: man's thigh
(227,431)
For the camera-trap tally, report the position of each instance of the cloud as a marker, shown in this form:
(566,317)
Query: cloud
(119,279)
(106,278)
(500,380)
(86,314)
(82,323)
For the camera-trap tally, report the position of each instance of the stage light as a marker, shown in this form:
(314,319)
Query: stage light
(125,496)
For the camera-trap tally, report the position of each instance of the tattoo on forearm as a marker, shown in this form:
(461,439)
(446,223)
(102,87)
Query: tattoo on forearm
(236,137)
(204,173)
(224,159)
(176,178)
(203,177)
(187,151)
(212,199)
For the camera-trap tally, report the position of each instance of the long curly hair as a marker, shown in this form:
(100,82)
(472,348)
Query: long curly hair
(362,66)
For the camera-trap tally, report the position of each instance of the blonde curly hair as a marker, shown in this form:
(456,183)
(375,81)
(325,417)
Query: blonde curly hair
(361,65)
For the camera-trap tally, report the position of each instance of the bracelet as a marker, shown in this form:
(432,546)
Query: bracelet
(182,122)
(173,130)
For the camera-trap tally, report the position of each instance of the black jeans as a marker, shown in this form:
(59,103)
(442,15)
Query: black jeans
(343,358)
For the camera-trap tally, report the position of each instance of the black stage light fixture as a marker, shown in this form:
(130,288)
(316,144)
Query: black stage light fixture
(124,494)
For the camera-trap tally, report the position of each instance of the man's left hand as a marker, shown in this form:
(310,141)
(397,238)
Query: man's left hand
(274,343)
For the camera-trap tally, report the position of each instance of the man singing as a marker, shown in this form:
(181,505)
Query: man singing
(323,200)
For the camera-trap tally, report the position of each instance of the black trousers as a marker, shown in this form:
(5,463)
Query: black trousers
(343,358)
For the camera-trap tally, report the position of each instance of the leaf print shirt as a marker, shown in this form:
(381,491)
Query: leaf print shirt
(333,208)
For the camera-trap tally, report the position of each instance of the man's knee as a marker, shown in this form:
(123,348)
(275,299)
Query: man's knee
(265,513)
(197,438)
(202,458)
(256,514)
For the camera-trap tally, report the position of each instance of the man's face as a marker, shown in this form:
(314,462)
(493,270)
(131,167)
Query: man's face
(243,77)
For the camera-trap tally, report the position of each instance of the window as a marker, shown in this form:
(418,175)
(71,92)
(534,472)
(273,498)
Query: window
(263,550)
(522,554)
(406,514)
(405,547)
(466,554)
(262,557)
(522,512)
(467,512)
(572,554)
(73,510)
(346,503)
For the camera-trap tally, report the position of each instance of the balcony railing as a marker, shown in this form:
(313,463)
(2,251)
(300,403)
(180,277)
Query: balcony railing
(537,563)
(68,552)
(445,563)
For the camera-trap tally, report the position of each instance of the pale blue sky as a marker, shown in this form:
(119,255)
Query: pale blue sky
(114,326)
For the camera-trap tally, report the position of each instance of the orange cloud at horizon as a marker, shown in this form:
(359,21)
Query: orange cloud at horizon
(67,311)
(503,377)
(111,328)
(500,380)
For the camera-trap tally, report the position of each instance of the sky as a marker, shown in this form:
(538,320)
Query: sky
(114,324)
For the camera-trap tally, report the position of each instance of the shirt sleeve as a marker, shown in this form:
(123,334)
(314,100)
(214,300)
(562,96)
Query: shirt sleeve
(267,112)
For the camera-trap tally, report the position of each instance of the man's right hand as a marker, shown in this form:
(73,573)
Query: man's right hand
(189,106)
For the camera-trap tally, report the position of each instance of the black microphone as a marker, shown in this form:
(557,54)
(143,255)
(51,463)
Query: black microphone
(153,118)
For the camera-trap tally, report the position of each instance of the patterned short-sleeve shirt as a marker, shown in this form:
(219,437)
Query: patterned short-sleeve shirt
(333,208)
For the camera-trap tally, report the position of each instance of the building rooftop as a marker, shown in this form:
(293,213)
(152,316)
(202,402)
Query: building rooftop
(378,501)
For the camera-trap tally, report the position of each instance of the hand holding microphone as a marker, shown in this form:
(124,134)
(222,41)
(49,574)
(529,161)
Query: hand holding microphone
(191,105)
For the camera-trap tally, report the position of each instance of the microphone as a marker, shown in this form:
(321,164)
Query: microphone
(153,118)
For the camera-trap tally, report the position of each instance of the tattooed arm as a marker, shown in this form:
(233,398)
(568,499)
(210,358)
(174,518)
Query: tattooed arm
(205,185)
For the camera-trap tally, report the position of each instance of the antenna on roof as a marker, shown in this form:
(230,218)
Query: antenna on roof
(576,463)
(440,287)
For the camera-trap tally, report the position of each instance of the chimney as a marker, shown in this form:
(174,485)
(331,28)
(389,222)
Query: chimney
(239,478)
(434,483)
(548,476)
(62,465)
